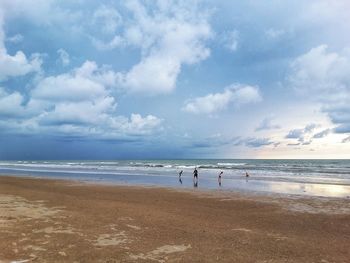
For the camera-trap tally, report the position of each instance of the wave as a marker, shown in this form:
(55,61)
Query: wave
(150,165)
(231,164)
(185,166)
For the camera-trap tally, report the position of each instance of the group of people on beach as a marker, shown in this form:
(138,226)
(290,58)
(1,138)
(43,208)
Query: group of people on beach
(195,176)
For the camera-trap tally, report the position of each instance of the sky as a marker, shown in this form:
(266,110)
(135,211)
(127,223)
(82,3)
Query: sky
(174,79)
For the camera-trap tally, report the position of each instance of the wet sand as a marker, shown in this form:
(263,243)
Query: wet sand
(63,221)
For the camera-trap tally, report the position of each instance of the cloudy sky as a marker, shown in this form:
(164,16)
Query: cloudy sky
(174,79)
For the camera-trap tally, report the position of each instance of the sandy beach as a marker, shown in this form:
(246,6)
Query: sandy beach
(65,221)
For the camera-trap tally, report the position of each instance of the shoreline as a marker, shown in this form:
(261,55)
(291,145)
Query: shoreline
(47,220)
(331,193)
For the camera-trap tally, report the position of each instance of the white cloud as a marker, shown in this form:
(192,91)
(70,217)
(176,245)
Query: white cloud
(230,40)
(173,34)
(154,74)
(234,94)
(84,83)
(137,125)
(18,64)
(116,41)
(107,19)
(267,124)
(327,11)
(43,12)
(79,112)
(10,104)
(324,77)
(77,103)
(326,73)
(64,57)
(15,39)
(13,105)
(274,33)
(80,97)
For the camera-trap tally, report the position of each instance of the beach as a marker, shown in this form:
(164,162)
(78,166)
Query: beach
(46,220)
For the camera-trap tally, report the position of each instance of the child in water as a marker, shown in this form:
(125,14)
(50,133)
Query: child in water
(195,175)
(180,179)
(219,178)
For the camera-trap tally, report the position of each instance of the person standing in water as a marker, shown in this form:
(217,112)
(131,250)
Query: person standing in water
(219,177)
(195,175)
(180,173)
(246,176)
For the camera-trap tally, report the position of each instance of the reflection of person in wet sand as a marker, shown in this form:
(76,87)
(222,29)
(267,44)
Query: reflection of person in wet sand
(195,177)
(219,177)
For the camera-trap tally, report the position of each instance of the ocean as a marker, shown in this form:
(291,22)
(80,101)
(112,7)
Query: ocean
(328,178)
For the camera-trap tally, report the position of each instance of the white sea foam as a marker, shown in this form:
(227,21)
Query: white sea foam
(186,166)
(231,164)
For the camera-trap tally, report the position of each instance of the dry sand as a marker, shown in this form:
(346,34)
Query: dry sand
(59,221)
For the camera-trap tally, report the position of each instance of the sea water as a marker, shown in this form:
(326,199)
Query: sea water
(329,178)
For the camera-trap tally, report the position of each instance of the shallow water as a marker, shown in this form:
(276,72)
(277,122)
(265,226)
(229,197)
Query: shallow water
(329,178)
